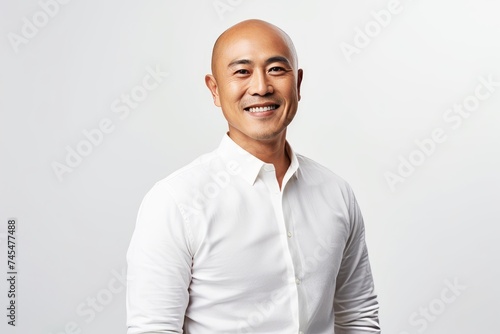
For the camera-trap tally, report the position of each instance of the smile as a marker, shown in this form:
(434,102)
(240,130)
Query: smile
(262,109)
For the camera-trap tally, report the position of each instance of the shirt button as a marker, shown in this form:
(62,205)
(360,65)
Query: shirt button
(289,234)
(297,281)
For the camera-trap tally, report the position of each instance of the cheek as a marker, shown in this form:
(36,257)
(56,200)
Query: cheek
(292,97)
(234,90)
(230,97)
(288,87)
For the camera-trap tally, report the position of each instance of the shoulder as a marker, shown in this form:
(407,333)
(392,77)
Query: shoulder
(198,166)
(193,175)
(314,174)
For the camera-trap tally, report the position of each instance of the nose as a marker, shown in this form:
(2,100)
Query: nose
(259,84)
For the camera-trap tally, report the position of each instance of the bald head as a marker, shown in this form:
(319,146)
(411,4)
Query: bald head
(247,30)
(256,82)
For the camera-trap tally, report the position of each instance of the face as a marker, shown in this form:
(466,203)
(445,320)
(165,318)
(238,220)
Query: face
(256,83)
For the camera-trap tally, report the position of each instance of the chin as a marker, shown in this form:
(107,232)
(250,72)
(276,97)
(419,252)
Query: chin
(266,135)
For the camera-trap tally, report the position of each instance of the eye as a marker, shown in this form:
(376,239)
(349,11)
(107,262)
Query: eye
(241,72)
(276,69)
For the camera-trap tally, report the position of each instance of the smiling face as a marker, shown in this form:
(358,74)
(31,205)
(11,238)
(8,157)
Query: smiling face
(255,81)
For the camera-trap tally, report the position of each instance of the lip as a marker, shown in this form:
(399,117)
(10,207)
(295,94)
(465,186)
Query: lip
(262,114)
(259,105)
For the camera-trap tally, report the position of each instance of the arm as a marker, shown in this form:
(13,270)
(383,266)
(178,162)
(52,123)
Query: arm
(159,267)
(355,305)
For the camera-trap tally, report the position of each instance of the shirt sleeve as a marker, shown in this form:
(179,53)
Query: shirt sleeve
(356,306)
(159,267)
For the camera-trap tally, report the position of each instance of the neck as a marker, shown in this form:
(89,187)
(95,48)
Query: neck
(271,151)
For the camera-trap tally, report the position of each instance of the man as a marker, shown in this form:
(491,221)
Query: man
(251,238)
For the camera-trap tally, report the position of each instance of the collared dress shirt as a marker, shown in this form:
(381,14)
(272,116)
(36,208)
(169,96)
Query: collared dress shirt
(219,248)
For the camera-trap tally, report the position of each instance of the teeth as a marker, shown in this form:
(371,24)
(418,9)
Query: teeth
(262,109)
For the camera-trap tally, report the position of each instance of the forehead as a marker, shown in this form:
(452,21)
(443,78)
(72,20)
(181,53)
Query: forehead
(257,46)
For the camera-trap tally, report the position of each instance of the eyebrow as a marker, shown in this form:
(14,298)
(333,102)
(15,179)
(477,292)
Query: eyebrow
(274,59)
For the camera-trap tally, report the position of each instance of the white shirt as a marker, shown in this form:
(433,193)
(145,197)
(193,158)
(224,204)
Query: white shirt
(218,248)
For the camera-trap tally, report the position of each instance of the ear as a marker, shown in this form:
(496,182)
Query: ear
(299,81)
(212,86)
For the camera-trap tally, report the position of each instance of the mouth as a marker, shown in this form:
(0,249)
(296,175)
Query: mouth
(261,109)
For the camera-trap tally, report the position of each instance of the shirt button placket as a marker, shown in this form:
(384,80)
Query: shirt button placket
(277,200)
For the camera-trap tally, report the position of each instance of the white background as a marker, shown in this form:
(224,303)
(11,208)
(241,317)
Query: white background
(358,116)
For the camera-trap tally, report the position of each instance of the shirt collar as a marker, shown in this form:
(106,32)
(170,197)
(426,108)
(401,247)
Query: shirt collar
(249,165)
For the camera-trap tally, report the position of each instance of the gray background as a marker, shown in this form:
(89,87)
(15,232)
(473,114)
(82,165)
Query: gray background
(358,116)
